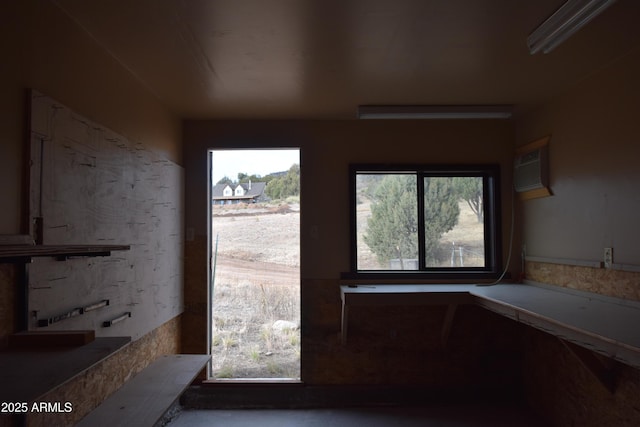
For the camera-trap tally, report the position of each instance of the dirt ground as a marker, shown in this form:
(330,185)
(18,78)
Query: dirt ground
(256,304)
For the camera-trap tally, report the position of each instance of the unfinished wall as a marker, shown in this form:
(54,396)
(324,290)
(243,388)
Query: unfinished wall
(564,393)
(41,48)
(8,301)
(594,174)
(594,171)
(327,148)
(96,383)
(90,185)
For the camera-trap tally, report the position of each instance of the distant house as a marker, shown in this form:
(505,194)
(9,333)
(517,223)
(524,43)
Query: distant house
(247,192)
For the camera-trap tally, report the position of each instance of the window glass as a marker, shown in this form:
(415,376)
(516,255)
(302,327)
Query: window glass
(387,221)
(454,222)
(425,219)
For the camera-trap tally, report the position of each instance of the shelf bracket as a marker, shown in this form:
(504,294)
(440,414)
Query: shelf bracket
(72,313)
(601,367)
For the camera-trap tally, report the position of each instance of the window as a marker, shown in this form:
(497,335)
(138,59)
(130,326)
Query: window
(425,221)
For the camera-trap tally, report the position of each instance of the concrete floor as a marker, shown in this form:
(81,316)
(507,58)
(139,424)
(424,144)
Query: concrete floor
(436,416)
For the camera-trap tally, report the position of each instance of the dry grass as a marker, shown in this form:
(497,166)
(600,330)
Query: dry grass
(245,343)
(256,285)
(468,234)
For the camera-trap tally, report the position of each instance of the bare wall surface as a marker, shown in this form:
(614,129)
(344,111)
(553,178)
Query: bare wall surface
(42,48)
(91,185)
(327,149)
(594,173)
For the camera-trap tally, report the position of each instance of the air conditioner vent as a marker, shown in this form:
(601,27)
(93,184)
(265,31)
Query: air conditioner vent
(531,170)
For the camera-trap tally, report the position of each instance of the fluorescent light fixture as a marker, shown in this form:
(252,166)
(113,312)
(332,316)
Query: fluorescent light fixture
(434,112)
(564,22)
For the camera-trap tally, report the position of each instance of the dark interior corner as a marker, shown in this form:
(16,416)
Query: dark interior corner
(105,253)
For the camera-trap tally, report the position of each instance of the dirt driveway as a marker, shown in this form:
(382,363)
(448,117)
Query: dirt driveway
(268,273)
(256,287)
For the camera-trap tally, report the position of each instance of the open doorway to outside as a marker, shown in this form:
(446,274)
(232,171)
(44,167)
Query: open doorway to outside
(255,264)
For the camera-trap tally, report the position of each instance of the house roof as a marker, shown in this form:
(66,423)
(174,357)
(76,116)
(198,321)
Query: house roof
(256,190)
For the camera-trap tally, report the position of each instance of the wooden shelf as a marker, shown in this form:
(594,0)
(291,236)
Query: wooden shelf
(47,339)
(604,325)
(28,374)
(24,253)
(145,398)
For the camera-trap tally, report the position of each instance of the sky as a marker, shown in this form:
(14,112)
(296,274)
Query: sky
(252,162)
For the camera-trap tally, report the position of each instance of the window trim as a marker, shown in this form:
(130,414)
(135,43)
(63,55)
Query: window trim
(492,225)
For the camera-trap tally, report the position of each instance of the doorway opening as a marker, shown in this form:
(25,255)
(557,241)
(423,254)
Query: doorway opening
(254,322)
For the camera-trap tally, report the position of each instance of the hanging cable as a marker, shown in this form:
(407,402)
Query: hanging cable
(506,266)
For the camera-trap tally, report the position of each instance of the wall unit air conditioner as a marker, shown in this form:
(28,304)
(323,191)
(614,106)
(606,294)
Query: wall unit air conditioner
(531,170)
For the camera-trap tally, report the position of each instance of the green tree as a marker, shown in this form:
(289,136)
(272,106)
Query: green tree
(470,189)
(243,178)
(225,180)
(286,185)
(392,229)
(441,212)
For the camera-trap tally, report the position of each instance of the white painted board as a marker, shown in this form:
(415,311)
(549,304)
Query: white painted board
(93,186)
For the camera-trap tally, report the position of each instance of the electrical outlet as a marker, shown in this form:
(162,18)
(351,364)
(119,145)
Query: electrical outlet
(608,257)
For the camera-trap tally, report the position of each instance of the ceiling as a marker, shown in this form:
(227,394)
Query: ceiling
(320,59)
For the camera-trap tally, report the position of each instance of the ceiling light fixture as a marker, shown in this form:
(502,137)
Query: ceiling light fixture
(564,22)
(435,112)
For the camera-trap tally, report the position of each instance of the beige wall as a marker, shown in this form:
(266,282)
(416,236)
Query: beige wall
(43,49)
(594,173)
(327,149)
(594,156)
(594,169)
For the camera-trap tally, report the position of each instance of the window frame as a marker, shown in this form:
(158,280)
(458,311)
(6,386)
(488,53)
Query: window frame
(492,222)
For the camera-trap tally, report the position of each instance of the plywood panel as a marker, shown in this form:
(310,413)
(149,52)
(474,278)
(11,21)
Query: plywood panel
(604,281)
(92,386)
(146,397)
(26,376)
(8,290)
(91,185)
